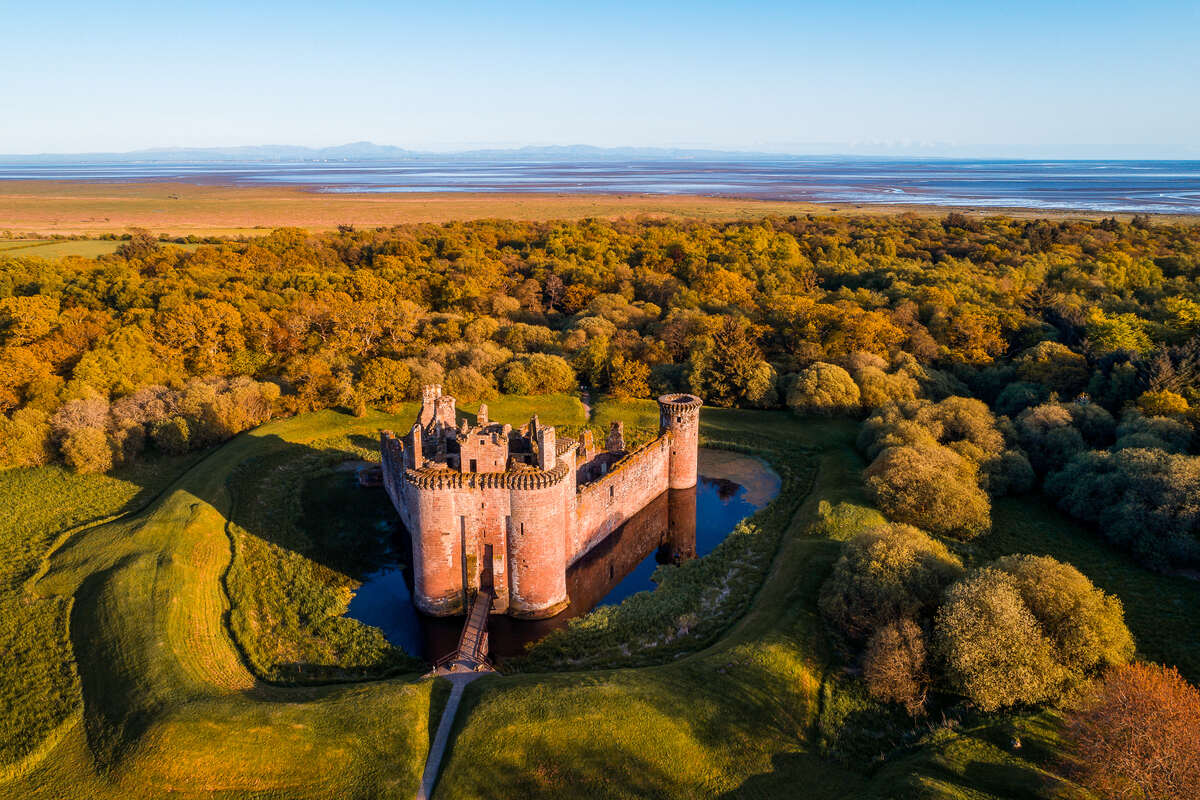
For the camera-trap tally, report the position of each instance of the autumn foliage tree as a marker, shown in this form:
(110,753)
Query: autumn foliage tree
(1138,736)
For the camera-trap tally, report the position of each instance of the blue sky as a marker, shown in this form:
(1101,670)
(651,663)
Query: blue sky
(1050,78)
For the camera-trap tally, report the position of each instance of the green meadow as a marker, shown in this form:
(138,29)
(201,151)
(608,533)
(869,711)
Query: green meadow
(177,631)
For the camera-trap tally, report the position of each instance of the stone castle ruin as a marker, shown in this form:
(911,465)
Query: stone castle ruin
(535,501)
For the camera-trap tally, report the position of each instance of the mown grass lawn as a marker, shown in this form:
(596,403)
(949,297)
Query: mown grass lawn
(166,702)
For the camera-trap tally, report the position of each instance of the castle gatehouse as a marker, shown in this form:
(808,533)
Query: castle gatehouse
(537,501)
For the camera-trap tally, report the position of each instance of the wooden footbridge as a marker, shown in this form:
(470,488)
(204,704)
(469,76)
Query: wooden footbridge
(468,662)
(472,651)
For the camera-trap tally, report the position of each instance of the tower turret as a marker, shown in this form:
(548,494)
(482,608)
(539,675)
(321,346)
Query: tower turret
(679,414)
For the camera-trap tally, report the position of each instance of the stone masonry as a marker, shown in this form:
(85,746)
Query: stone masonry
(541,501)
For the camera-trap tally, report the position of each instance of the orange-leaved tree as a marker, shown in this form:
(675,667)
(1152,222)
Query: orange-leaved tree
(1139,736)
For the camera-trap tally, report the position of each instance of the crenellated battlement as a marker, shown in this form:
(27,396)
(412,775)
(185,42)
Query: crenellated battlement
(537,500)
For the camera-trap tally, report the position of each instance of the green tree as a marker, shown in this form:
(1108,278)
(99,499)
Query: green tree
(825,390)
(931,487)
(889,573)
(728,369)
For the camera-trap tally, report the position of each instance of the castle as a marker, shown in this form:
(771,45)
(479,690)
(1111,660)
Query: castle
(535,502)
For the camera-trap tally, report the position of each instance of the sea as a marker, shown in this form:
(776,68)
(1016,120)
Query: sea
(1162,187)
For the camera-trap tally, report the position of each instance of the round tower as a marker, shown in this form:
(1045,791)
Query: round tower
(537,562)
(679,414)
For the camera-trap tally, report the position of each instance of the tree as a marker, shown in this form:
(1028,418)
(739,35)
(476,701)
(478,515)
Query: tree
(1028,629)
(87,450)
(385,383)
(886,574)
(825,390)
(1137,735)
(894,665)
(991,646)
(727,367)
(140,245)
(1162,404)
(1055,366)
(932,487)
(628,378)
(1048,435)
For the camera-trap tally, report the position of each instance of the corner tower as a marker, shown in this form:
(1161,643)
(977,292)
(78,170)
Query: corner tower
(679,414)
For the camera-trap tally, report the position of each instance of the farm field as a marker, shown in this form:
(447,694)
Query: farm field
(156,696)
(214,210)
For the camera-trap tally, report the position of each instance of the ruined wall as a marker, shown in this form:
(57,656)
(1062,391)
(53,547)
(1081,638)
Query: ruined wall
(602,506)
(536,519)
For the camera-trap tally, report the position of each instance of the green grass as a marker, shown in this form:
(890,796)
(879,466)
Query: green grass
(560,410)
(52,248)
(40,687)
(58,248)
(304,536)
(1161,610)
(168,704)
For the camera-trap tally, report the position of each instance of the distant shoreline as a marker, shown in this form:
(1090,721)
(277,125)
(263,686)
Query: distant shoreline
(92,207)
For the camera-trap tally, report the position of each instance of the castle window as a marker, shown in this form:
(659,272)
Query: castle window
(473,466)
(610,491)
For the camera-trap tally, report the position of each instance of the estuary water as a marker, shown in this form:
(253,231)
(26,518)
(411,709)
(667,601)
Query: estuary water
(676,526)
(1091,186)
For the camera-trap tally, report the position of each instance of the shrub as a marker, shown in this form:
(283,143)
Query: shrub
(824,390)
(844,521)
(1137,735)
(1162,404)
(1048,435)
(965,425)
(1086,625)
(1008,473)
(931,487)
(1019,396)
(1163,433)
(87,450)
(1028,629)
(878,388)
(991,646)
(172,435)
(891,572)
(894,665)
(1055,366)
(1094,423)
(1141,499)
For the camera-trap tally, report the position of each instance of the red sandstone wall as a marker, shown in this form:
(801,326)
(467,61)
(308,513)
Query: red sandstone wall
(536,545)
(602,506)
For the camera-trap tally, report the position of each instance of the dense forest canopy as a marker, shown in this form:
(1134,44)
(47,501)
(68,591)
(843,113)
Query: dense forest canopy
(1082,338)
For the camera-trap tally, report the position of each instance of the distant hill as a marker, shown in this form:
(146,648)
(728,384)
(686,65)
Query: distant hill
(368,151)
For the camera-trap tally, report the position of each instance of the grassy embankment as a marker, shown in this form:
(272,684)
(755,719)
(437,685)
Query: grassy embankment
(170,707)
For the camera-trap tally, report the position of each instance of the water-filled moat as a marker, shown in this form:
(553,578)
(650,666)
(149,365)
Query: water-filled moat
(676,525)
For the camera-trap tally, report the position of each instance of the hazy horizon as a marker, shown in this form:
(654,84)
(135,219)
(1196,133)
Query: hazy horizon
(854,150)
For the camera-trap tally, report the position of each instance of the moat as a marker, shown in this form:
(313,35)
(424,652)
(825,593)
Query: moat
(730,488)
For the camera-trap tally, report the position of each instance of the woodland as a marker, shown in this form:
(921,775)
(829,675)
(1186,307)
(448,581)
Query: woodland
(920,384)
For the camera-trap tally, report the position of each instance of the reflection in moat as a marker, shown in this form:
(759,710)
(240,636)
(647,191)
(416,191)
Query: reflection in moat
(675,526)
